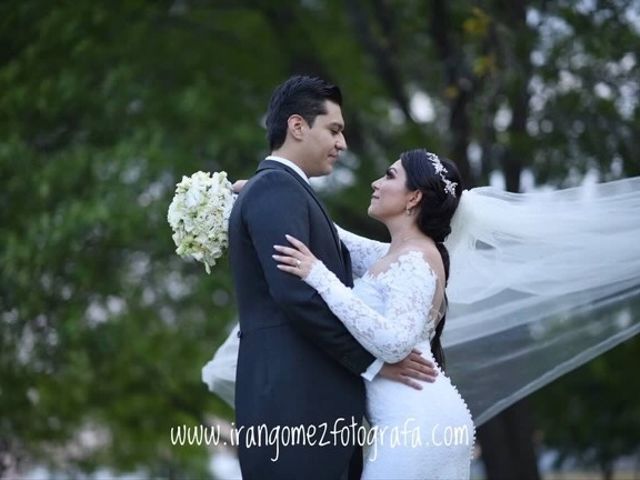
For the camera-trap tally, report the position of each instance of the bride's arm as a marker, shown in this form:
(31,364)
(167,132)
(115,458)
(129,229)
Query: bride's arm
(391,336)
(364,251)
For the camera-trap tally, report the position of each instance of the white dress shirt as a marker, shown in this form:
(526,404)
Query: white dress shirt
(377,364)
(289,164)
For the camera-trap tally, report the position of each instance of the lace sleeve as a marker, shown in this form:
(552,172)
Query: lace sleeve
(407,287)
(364,251)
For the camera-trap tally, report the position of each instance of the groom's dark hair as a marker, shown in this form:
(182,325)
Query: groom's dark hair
(300,95)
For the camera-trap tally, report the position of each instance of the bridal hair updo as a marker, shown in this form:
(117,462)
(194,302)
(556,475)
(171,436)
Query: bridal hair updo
(441,191)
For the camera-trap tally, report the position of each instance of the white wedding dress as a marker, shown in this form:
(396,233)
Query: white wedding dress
(421,434)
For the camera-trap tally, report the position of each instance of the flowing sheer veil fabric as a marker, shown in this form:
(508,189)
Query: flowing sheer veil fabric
(540,283)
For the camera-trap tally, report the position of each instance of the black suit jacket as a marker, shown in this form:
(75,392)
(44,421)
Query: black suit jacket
(297,363)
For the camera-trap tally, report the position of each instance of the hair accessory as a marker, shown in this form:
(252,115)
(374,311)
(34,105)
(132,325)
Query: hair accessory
(449,186)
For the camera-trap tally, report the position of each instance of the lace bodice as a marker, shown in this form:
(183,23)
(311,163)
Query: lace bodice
(388,313)
(364,251)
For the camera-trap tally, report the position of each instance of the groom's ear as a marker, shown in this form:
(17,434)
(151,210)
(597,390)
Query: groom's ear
(296,125)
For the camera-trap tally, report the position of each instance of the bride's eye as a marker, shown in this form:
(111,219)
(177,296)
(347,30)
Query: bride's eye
(388,174)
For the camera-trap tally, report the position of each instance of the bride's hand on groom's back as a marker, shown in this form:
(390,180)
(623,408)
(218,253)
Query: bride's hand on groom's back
(413,367)
(237,185)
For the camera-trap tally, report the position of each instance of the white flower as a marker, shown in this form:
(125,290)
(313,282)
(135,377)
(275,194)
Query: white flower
(199,216)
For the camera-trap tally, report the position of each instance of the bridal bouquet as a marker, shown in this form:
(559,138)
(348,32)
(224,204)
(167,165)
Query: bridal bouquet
(199,216)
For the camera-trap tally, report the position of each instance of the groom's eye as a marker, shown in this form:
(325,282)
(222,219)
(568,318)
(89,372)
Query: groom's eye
(389,174)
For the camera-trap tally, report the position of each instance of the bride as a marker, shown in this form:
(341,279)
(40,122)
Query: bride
(399,303)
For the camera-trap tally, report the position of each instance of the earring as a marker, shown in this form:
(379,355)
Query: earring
(409,211)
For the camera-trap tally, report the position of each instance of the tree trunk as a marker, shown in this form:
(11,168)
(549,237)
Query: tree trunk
(459,82)
(507,444)
(507,440)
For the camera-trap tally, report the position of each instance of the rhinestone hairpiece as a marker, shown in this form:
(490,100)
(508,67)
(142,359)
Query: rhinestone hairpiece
(449,186)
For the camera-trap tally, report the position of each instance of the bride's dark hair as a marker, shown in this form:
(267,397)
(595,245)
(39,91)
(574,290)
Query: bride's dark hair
(435,212)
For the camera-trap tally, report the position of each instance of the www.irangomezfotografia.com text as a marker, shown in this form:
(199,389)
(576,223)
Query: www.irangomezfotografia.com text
(343,432)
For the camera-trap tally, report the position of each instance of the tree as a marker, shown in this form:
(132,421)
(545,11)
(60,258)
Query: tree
(103,327)
(600,412)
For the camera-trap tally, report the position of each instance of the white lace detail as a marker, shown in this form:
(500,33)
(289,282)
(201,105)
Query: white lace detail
(406,288)
(364,251)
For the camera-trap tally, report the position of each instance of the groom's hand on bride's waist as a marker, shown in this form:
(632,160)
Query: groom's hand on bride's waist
(413,367)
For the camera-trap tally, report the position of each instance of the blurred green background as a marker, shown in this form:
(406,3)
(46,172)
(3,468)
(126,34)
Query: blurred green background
(105,105)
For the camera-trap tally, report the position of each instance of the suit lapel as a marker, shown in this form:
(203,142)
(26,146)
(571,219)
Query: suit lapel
(346,257)
(271,165)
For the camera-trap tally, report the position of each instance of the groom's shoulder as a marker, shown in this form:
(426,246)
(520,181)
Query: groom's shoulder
(272,182)
(268,192)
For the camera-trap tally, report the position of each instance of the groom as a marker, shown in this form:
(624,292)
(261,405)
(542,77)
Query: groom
(298,366)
